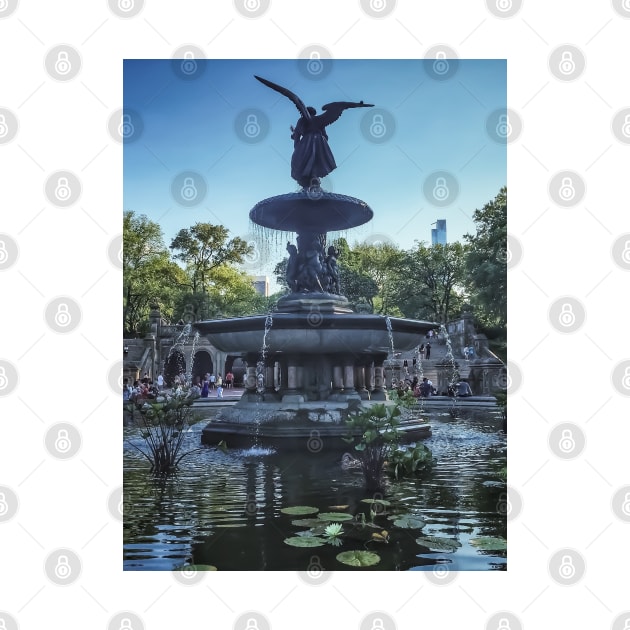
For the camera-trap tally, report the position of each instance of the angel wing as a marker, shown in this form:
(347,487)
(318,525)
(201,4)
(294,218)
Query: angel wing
(332,111)
(285,92)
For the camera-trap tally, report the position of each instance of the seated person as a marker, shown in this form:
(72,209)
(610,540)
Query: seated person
(426,388)
(463,388)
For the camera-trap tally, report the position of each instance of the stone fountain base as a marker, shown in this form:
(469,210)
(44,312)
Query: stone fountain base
(311,425)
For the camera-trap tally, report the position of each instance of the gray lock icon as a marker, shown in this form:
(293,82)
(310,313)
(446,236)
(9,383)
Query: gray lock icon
(62,316)
(625,254)
(252,624)
(252,5)
(62,65)
(252,126)
(126,128)
(4,508)
(378,5)
(625,381)
(567,64)
(567,443)
(567,316)
(63,443)
(440,65)
(440,190)
(63,570)
(567,568)
(625,129)
(504,5)
(625,506)
(504,129)
(189,190)
(4,256)
(125,5)
(378,128)
(4,381)
(567,190)
(189,65)
(62,191)
(125,624)
(4,129)
(315,65)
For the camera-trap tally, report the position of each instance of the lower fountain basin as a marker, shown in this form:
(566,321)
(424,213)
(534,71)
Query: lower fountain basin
(315,332)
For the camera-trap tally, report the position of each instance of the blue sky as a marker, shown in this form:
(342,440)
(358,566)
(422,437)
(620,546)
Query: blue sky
(212,121)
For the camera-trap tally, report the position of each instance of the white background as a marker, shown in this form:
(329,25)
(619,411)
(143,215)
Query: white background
(64,377)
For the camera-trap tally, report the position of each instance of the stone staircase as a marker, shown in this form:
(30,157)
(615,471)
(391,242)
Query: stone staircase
(427,367)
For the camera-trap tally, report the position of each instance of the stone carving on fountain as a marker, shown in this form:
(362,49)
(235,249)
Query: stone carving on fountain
(319,359)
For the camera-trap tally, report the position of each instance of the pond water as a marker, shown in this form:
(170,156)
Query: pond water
(223,508)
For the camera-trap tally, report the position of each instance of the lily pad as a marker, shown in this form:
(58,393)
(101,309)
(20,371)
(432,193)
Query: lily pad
(334,516)
(436,543)
(299,510)
(196,567)
(376,501)
(407,521)
(359,558)
(305,541)
(489,544)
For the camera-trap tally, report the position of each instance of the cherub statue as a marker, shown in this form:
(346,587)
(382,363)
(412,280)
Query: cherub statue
(312,157)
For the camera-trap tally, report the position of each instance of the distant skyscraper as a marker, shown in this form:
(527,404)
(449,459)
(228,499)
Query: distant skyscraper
(438,233)
(261,284)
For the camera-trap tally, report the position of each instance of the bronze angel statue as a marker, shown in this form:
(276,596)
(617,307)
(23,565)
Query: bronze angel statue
(312,157)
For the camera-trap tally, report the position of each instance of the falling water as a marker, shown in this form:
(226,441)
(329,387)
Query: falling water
(454,378)
(260,366)
(189,375)
(388,324)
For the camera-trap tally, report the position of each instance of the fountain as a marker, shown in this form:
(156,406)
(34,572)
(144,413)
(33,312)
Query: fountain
(319,359)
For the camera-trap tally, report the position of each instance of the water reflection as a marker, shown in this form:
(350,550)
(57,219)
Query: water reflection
(223,509)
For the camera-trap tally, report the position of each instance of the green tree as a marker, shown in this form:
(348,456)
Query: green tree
(149,276)
(430,282)
(205,247)
(486,262)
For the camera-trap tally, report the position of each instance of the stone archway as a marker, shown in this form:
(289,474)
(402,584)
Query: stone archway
(238,367)
(202,364)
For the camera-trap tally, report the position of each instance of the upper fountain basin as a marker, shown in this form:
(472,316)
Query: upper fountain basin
(311,210)
(315,332)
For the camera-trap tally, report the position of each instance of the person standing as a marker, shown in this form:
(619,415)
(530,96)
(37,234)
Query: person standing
(213,379)
(421,351)
(427,350)
(160,382)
